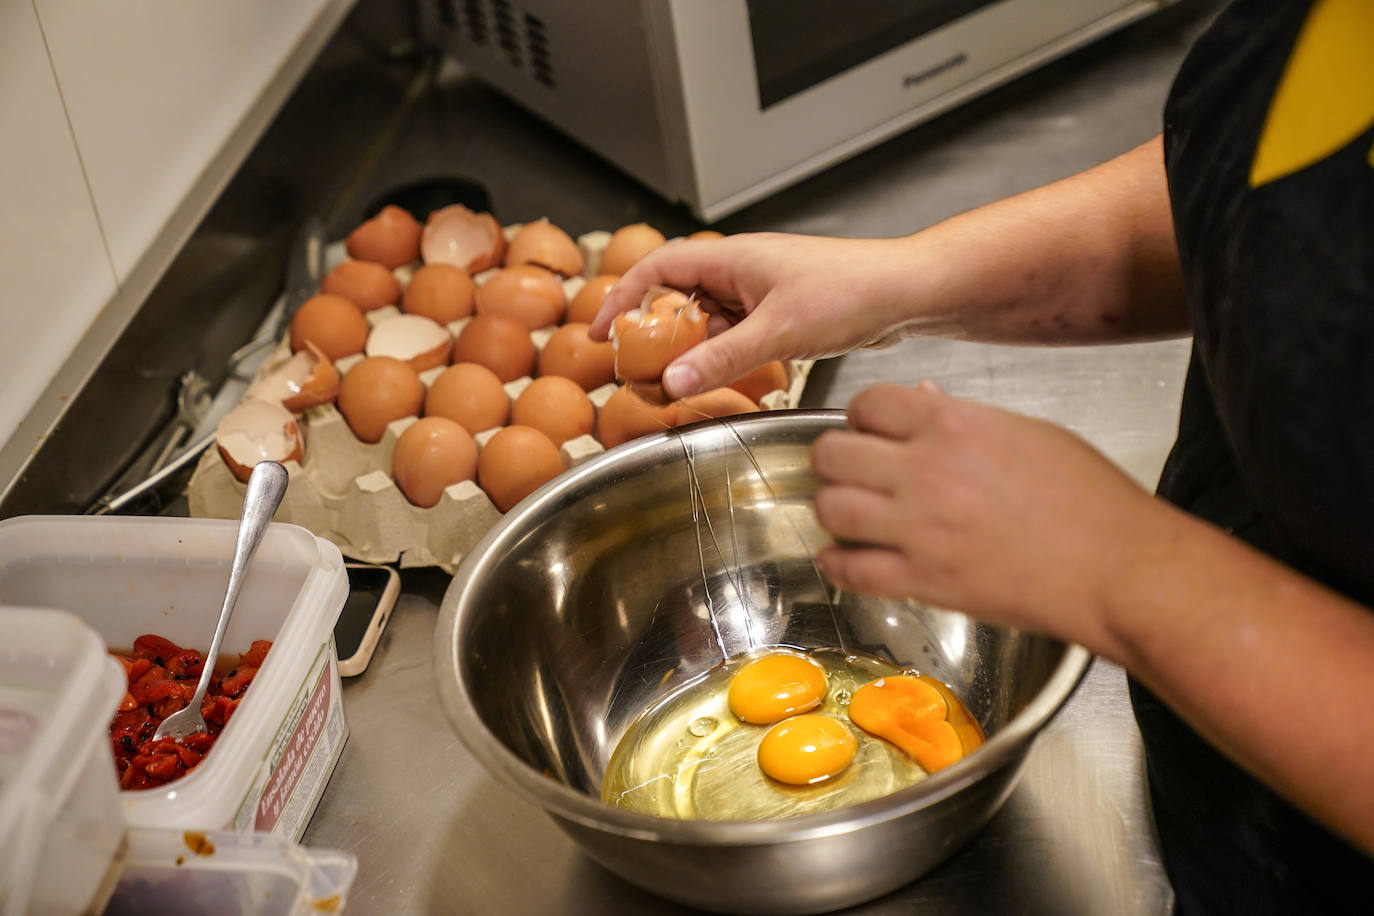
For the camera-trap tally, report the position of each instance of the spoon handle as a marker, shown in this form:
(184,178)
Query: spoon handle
(266,486)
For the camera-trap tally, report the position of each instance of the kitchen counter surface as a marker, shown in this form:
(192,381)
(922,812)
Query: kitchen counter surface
(433,832)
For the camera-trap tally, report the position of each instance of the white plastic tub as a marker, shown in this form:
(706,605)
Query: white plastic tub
(129,576)
(60,815)
(229,874)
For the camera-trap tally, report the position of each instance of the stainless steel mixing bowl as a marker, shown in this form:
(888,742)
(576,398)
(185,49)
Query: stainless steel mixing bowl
(641,569)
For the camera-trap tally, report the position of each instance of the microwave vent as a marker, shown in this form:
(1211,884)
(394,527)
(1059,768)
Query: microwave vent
(518,38)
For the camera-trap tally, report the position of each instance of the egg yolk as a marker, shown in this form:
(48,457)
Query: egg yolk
(804,750)
(776,686)
(911,714)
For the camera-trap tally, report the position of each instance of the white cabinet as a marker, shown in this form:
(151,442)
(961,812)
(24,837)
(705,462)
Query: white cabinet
(55,275)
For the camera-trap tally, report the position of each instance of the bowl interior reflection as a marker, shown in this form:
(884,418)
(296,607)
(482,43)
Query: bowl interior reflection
(649,567)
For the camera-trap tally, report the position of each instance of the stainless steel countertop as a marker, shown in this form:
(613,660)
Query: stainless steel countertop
(433,832)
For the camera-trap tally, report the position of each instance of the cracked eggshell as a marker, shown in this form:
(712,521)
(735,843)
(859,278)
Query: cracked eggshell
(666,325)
(391,238)
(415,340)
(306,380)
(544,244)
(455,235)
(257,431)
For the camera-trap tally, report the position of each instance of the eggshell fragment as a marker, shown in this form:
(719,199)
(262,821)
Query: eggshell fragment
(517,461)
(469,394)
(441,292)
(557,407)
(432,454)
(587,302)
(627,245)
(544,244)
(766,378)
(571,353)
(650,337)
(376,391)
(305,380)
(330,322)
(718,402)
(530,294)
(391,238)
(257,431)
(500,343)
(413,339)
(455,235)
(366,284)
(627,416)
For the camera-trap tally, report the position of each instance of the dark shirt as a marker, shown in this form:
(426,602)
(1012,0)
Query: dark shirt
(1275,227)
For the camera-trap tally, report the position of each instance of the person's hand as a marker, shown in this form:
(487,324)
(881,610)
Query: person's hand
(965,506)
(768,296)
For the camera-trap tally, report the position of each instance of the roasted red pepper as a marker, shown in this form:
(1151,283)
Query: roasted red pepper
(162,679)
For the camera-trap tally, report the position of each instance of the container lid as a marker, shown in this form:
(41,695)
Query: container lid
(229,874)
(57,688)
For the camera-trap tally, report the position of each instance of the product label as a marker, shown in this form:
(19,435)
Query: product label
(299,748)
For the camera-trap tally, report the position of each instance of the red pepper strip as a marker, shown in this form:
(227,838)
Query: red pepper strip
(229,707)
(199,742)
(128,702)
(169,704)
(153,647)
(140,667)
(256,654)
(163,767)
(186,664)
(237,681)
(149,689)
(189,757)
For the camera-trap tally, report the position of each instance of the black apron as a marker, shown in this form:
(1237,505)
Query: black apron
(1275,224)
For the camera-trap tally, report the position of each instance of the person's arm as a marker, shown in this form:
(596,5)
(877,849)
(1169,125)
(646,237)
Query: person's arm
(1018,521)
(1090,258)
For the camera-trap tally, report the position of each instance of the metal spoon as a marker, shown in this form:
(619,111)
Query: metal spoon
(266,486)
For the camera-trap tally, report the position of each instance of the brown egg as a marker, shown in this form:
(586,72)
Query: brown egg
(587,302)
(305,380)
(501,344)
(413,339)
(627,245)
(718,402)
(440,292)
(766,378)
(517,461)
(627,416)
(544,244)
(432,454)
(470,395)
(378,390)
(455,235)
(257,431)
(527,293)
(650,337)
(391,238)
(366,284)
(573,355)
(331,323)
(557,407)
(702,235)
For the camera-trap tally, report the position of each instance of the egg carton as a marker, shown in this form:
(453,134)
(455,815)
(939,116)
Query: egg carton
(342,488)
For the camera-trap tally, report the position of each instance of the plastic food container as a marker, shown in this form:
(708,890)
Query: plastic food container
(128,576)
(228,874)
(60,815)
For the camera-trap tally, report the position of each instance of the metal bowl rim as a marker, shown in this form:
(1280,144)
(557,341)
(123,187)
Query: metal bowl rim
(1006,747)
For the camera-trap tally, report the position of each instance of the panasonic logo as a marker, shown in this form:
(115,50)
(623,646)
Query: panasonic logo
(915,79)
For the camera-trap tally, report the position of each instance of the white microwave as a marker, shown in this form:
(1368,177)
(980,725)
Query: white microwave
(718,103)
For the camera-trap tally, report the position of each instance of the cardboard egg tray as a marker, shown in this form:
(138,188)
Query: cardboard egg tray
(342,489)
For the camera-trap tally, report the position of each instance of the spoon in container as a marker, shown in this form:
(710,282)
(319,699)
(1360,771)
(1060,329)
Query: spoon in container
(266,486)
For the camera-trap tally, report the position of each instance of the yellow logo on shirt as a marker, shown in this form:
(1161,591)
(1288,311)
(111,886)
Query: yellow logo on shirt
(1326,96)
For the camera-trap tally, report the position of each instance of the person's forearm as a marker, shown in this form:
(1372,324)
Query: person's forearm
(1087,259)
(1272,668)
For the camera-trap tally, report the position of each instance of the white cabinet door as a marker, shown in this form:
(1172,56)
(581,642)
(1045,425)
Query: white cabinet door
(55,274)
(155,89)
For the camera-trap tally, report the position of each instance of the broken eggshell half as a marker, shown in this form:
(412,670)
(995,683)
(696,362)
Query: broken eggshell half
(667,324)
